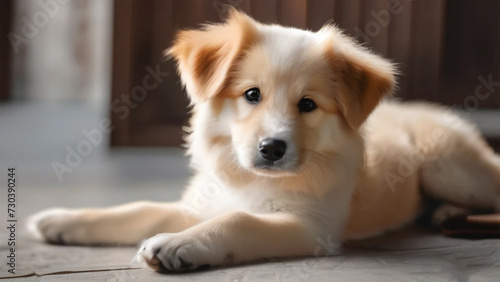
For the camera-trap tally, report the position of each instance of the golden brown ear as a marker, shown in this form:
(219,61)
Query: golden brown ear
(363,84)
(204,57)
(363,78)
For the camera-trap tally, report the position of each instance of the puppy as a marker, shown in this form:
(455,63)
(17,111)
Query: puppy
(291,144)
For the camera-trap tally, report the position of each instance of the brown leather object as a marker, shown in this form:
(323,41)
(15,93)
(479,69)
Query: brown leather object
(472,226)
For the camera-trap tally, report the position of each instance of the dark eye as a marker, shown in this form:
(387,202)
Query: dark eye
(306,105)
(252,95)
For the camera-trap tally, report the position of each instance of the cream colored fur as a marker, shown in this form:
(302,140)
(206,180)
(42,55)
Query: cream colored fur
(351,170)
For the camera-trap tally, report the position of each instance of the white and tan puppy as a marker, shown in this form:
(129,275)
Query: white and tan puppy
(289,147)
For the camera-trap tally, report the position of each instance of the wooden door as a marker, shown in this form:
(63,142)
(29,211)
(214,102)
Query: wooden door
(6,10)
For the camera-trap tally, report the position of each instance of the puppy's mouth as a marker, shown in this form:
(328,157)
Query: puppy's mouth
(274,168)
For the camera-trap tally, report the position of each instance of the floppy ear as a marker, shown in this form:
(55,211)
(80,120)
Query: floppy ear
(204,57)
(362,77)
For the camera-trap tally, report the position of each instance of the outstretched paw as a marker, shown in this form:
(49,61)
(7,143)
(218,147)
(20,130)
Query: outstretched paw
(57,226)
(175,252)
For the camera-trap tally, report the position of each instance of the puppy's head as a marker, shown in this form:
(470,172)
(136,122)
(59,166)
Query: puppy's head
(276,100)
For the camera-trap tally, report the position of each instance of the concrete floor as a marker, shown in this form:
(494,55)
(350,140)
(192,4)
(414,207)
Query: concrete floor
(33,136)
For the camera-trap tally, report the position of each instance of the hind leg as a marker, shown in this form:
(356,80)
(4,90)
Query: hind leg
(461,169)
(445,211)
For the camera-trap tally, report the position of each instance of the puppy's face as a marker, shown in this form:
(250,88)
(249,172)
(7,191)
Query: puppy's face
(278,100)
(282,110)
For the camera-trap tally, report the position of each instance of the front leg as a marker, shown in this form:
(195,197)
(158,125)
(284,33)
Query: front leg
(121,225)
(230,239)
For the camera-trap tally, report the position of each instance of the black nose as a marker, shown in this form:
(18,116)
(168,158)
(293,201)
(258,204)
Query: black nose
(272,149)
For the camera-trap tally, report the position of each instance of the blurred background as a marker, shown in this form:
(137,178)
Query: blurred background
(70,68)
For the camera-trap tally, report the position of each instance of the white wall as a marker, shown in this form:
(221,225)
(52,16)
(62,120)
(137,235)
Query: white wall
(62,50)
